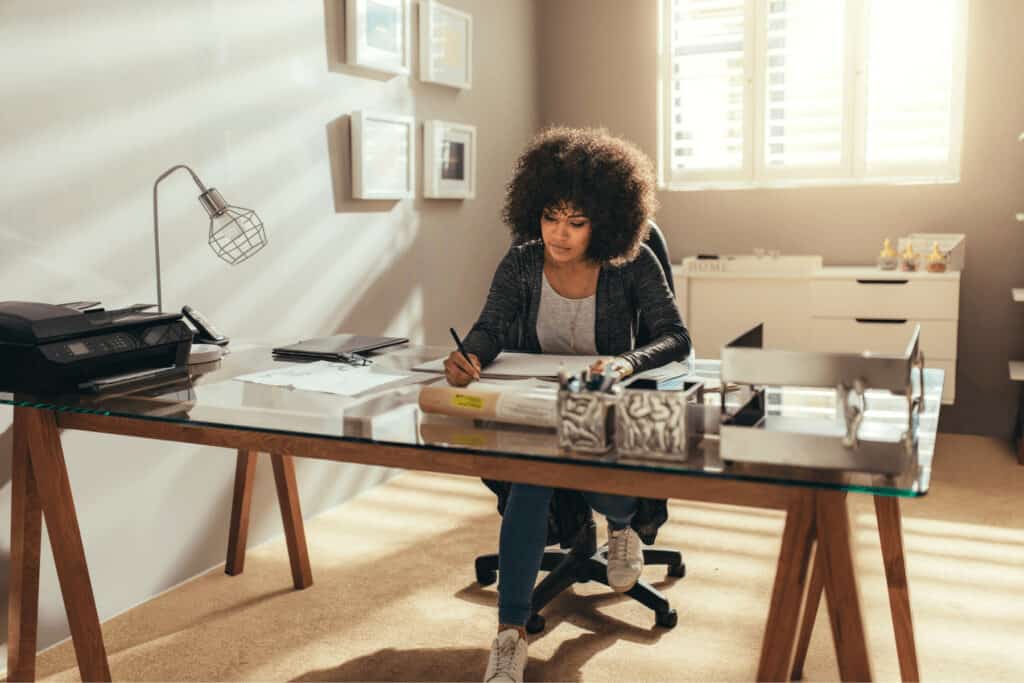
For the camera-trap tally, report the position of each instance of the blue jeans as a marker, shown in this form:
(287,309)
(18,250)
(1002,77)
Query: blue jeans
(524,533)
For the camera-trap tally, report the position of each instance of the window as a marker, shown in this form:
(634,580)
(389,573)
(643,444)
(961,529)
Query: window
(761,93)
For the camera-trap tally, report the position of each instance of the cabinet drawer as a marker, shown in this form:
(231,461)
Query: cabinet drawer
(938,337)
(912,298)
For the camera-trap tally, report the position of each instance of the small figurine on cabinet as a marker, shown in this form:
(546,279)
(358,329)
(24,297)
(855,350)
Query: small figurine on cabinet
(937,260)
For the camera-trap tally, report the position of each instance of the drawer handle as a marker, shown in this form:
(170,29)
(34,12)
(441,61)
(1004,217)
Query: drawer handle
(882,321)
(881,282)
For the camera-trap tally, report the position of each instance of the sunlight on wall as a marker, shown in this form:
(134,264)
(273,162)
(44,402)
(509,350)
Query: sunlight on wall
(106,97)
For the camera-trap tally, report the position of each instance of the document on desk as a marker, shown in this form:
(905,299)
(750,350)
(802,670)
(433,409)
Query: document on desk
(510,365)
(325,377)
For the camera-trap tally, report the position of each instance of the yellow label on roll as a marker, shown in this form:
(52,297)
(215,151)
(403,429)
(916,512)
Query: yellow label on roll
(465,401)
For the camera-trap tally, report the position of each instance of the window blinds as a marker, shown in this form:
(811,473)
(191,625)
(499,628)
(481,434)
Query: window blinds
(765,90)
(804,65)
(708,88)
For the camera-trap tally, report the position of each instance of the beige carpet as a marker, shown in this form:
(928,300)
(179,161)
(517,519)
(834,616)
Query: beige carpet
(394,597)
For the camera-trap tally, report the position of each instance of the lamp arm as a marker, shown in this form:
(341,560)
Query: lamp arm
(156,224)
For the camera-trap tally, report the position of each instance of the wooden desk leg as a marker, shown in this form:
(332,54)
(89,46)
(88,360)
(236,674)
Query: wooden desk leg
(840,579)
(291,516)
(810,615)
(23,585)
(51,477)
(890,532)
(789,589)
(238,534)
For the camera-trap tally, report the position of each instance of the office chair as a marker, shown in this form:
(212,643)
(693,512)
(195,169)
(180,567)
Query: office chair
(584,561)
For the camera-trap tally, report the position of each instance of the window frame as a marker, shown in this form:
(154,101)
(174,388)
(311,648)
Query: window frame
(853,168)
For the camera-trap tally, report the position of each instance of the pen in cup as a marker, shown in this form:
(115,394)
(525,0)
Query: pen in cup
(462,350)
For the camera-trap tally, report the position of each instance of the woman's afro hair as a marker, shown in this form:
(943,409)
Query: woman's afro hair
(606,178)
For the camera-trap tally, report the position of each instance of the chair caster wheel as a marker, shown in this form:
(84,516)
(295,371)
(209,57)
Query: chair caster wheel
(535,624)
(677,570)
(667,619)
(486,578)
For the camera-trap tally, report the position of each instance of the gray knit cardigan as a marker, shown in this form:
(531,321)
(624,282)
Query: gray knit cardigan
(633,301)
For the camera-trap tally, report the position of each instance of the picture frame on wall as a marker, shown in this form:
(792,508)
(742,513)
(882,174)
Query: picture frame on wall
(383,156)
(446,45)
(378,34)
(449,160)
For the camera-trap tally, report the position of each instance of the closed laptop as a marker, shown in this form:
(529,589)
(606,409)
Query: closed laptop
(338,346)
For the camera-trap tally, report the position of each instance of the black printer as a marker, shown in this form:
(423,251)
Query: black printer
(50,349)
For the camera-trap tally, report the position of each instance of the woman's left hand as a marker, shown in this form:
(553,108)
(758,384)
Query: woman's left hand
(621,367)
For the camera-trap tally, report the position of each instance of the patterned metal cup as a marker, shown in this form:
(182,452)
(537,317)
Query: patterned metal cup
(654,423)
(585,420)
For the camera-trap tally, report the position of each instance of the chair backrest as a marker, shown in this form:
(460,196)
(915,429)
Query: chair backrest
(656,241)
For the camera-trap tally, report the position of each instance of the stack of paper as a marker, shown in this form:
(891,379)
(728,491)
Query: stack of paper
(324,376)
(510,365)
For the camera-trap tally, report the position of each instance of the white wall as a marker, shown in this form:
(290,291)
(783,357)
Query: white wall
(98,98)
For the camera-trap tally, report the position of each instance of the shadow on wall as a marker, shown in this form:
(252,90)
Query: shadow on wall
(334,39)
(134,157)
(339,151)
(409,269)
(380,303)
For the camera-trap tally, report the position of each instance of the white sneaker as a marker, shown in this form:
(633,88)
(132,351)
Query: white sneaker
(625,558)
(508,658)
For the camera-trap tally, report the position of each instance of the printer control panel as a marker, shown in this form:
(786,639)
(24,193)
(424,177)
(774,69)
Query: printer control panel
(116,342)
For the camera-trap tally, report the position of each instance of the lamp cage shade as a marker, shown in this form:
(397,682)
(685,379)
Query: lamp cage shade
(236,234)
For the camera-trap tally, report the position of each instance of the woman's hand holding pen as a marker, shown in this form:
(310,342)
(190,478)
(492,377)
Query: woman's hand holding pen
(460,370)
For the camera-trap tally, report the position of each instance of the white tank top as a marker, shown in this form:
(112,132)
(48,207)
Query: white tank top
(565,326)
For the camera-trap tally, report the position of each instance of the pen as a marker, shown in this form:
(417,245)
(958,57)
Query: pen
(462,349)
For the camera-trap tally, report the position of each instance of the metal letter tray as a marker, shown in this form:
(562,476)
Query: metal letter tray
(845,438)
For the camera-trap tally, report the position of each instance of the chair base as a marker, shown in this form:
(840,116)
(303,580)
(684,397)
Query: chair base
(585,562)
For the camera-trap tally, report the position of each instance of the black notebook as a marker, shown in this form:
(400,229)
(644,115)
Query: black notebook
(338,347)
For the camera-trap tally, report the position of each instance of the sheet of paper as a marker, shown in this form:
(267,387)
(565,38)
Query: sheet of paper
(517,365)
(323,376)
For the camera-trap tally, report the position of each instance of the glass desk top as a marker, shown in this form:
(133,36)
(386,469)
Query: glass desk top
(390,414)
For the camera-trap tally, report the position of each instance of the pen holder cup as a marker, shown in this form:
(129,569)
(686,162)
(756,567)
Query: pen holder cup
(658,424)
(586,420)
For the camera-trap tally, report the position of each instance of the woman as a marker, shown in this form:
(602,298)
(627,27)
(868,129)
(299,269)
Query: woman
(573,283)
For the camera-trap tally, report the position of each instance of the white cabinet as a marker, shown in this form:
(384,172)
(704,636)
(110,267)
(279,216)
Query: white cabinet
(718,308)
(855,293)
(832,308)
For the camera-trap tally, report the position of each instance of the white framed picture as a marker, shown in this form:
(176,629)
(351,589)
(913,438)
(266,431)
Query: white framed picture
(383,156)
(449,160)
(377,34)
(446,45)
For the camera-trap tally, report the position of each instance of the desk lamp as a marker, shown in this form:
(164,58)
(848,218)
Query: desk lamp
(236,233)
